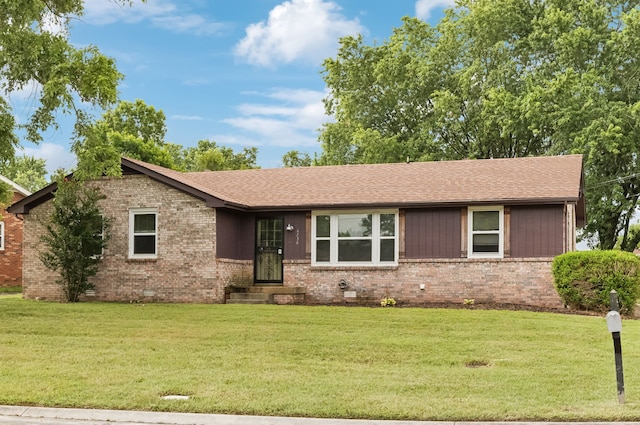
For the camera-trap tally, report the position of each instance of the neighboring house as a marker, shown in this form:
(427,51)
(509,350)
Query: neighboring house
(11,239)
(422,233)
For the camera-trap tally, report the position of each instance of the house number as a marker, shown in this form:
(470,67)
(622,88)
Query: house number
(297,236)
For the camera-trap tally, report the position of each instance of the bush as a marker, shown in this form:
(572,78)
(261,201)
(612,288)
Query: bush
(75,236)
(585,279)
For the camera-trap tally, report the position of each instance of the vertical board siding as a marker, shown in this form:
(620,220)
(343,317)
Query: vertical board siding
(295,241)
(536,231)
(433,233)
(235,235)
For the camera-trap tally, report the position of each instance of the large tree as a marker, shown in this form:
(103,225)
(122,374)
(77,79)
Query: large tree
(209,156)
(27,171)
(132,129)
(36,55)
(500,78)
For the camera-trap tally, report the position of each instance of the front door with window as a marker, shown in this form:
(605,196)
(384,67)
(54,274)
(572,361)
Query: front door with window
(269,250)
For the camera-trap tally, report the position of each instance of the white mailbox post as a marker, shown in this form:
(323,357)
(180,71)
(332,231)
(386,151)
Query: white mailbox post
(614,323)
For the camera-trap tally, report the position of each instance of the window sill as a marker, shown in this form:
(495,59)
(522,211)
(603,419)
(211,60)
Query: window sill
(142,260)
(344,267)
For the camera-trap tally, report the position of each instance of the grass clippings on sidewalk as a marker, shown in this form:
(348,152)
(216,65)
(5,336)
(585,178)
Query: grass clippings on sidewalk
(378,363)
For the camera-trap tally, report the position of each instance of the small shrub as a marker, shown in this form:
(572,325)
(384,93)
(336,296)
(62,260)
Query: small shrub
(387,302)
(585,279)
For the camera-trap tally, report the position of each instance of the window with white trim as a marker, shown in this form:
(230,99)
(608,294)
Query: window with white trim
(99,251)
(486,232)
(1,235)
(143,233)
(354,238)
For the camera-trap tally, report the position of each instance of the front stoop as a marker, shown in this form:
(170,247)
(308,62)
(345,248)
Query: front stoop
(249,298)
(266,294)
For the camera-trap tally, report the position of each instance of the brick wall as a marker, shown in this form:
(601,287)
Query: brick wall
(496,281)
(185,270)
(11,256)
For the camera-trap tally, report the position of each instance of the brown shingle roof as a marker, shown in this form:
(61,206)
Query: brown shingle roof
(516,180)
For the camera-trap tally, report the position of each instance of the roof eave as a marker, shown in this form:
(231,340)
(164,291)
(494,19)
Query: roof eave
(412,204)
(25,204)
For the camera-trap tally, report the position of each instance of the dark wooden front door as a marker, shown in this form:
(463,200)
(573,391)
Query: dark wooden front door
(269,250)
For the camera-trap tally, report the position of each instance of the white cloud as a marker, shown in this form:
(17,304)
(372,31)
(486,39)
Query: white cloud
(186,117)
(424,7)
(56,156)
(296,30)
(54,24)
(161,13)
(292,120)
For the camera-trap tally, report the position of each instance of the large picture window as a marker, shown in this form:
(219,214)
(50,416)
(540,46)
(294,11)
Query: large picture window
(143,233)
(355,238)
(486,230)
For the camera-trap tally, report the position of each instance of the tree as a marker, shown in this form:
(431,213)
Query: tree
(209,156)
(27,171)
(75,236)
(132,129)
(500,78)
(296,159)
(61,76)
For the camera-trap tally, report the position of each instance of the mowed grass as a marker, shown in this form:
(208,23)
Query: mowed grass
(346,362)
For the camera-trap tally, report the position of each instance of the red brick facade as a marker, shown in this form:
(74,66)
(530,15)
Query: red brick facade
(11,255)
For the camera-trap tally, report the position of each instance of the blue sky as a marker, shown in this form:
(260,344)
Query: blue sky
(239,72)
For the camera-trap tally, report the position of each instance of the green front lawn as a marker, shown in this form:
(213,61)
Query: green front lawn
(348,362)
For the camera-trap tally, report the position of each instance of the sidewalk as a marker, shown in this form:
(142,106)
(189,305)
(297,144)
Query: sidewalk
(52,416)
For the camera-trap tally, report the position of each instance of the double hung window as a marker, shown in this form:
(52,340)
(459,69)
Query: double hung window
(143,233)
(355,238)
(486,232)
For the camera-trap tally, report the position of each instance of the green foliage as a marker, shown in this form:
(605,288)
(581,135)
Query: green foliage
(209,156)
(137,130)
(36,56)
(387,302)
(75,236)
(585,279)
(33,52)
(132,129)
(500,78)
(27,171)
(296,159)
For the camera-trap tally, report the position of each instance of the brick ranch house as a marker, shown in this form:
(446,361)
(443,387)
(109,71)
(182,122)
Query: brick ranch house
(11,239)
(422,233)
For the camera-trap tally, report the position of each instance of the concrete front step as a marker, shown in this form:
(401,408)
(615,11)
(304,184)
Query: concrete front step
(276,289)
(249,298)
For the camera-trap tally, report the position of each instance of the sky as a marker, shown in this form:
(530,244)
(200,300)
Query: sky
(242,73)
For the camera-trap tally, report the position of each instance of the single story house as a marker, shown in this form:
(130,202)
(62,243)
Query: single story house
(420,232)
(11,239)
